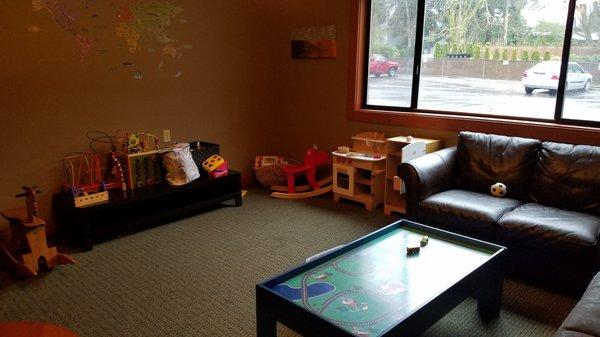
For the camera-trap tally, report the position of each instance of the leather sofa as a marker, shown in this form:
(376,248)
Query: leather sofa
(584,319)
(549,218)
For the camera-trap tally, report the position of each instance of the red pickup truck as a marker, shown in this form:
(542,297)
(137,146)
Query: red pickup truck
(379,65)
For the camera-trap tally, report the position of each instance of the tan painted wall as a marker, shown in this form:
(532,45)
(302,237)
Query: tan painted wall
(239,87)
(313,93)
(49,98)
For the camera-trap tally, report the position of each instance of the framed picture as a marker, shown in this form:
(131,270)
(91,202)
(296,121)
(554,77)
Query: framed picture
(318,42)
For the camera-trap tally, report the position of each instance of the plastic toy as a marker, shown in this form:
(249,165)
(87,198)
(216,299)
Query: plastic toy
(83,179)
(221,170)
(139,143)
(498,190)
(312,160)
(27,238)
(213,163)
(81,172)
(118,171)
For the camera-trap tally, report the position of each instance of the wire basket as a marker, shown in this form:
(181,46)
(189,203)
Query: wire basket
(271,175)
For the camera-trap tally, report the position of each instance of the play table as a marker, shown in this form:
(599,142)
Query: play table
(370,287)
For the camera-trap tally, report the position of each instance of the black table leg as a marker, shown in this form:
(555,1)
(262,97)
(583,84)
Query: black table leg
(489,297)
(266,326)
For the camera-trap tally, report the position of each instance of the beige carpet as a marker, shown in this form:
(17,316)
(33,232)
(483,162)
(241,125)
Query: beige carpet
(196,277)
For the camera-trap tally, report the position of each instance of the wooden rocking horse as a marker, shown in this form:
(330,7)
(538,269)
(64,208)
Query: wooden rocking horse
(27,238)
(313,159)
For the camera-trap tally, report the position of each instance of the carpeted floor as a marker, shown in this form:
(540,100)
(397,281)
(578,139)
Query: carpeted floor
(196,277)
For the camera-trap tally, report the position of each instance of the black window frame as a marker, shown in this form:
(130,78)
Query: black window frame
(414,108)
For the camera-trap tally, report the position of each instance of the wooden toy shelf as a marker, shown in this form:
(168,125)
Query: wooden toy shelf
(400,150)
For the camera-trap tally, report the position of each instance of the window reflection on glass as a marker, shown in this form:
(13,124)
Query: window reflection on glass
(582,96)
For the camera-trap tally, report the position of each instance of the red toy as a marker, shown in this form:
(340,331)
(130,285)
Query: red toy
(312,160)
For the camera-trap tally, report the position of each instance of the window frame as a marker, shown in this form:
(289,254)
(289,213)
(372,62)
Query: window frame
(559,129)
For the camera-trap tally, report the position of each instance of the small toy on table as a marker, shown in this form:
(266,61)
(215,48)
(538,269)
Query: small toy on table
(412,250)
(216,166)
(424,240)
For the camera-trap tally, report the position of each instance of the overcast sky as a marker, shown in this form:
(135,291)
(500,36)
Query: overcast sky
(548,10)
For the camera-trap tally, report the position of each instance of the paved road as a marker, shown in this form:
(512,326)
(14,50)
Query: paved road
(475,95)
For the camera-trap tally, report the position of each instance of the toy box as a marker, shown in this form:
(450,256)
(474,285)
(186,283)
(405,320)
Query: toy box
(143,169)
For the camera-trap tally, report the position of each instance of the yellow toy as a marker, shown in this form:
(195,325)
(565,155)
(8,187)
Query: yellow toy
(212,163)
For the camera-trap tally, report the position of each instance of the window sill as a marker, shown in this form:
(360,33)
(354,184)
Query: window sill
(511,127)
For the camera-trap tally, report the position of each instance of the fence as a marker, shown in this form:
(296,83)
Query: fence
(492,69)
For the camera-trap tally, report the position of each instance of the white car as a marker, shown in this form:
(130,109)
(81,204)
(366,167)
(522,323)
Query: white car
(544,75)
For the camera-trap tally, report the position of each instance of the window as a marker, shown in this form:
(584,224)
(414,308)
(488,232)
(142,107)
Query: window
(391,53)
(509,59)
(582,97)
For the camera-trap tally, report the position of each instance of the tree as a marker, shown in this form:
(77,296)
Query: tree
(454,20)
(587,21)
(438,51)
(393,23)
(535,55)
(525,55)
(547,55)
(496,54)
(486,53)
(545,33)
(513,56)
(476,52)
(504,54)
(505,23)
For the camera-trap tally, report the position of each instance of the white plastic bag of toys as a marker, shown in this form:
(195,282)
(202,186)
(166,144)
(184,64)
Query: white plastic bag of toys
(179,164)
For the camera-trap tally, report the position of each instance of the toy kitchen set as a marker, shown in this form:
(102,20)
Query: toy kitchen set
(367,172)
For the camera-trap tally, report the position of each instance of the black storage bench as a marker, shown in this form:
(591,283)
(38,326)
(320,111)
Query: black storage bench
(141,208)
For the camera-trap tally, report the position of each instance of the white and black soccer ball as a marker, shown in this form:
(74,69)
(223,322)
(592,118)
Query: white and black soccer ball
(498,190)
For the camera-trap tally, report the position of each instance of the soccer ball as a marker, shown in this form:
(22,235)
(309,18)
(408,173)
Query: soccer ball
(498,190)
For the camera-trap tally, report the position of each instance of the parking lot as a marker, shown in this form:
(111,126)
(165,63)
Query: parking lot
(495,97)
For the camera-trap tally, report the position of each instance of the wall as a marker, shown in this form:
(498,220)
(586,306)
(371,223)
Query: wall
(313,93)
(49,97)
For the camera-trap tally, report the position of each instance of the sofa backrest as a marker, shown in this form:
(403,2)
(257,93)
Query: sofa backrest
(484,159)
(568,176)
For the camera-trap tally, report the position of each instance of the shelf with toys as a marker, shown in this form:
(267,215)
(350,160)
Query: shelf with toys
(128,183)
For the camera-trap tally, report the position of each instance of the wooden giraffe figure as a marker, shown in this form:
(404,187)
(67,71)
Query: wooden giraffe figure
(26,248)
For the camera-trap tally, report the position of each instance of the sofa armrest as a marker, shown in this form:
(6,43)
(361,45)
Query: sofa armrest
(427,175)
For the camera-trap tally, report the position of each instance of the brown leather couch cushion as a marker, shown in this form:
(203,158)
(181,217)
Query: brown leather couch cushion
(550,230)
(584,319)
(466,212)
(483,160)
(568,176)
